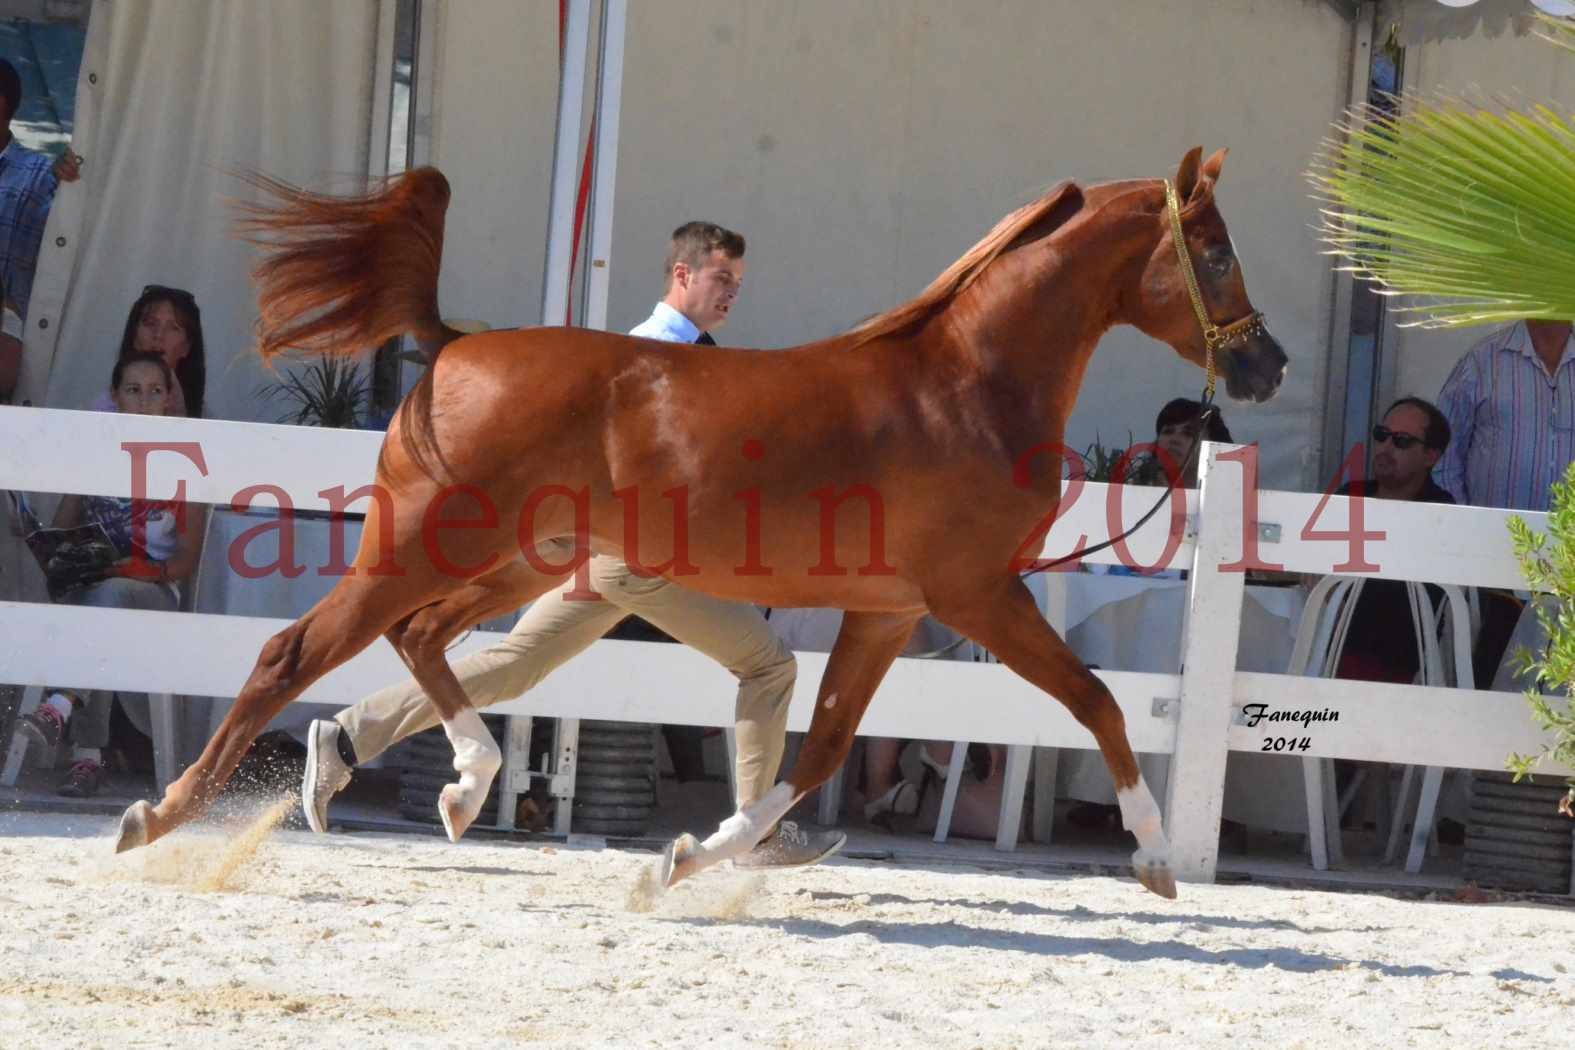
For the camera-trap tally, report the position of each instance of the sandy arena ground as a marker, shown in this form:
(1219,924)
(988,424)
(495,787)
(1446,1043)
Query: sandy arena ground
(261,938)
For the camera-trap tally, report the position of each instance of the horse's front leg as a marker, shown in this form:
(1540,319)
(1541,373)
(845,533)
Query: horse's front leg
(1005,620)
(346,621)
(864,650)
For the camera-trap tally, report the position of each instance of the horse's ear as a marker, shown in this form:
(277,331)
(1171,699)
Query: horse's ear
(1187,174)
(1211,167)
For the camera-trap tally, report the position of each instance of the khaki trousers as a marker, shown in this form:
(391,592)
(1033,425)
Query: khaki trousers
(553,631)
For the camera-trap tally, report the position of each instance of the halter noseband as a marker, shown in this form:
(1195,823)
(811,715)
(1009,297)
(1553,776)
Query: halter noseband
(1214,336)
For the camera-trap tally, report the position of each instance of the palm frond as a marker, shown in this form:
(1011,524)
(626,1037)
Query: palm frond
(1466,212)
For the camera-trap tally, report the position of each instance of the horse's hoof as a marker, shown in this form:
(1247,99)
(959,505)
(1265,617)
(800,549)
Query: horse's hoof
(1155,874)
(134,827)
(455,814)
(678,861)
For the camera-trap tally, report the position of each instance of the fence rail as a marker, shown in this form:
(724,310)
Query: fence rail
(1196,716)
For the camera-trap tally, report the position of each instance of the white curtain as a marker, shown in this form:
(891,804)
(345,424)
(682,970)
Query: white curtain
(173,96)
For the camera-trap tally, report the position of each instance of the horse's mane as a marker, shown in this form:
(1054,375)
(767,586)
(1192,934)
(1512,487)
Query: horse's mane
(962,273)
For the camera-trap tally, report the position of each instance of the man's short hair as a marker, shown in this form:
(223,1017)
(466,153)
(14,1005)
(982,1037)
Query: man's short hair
(10,86)
(693,241)
(1437,434)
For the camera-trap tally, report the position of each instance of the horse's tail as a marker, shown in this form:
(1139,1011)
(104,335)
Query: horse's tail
(340,275)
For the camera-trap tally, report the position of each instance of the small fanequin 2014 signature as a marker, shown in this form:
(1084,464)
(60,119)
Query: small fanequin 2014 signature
(1253,714)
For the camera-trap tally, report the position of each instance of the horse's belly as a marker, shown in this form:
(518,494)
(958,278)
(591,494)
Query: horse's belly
(864,594)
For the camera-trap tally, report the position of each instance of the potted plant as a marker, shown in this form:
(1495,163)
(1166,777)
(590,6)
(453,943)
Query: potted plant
(326,392)
(1099,463)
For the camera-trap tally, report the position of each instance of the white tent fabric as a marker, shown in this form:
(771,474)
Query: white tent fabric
(172,98)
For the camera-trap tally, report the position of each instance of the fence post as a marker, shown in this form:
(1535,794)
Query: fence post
(1196,789)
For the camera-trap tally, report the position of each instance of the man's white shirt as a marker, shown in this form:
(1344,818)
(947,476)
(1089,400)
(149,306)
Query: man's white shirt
(668,325)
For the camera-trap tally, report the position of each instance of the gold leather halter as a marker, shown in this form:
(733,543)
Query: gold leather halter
(1214,336)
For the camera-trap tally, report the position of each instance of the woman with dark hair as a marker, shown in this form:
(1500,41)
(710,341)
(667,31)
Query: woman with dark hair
(167,322)
(148,549)
(1175,429)
(1175,432)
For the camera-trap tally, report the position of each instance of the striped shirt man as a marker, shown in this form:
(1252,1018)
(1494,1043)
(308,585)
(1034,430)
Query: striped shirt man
(1512,420)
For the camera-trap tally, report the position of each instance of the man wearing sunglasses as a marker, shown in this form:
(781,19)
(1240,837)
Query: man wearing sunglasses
(1407,444)
(1381,644)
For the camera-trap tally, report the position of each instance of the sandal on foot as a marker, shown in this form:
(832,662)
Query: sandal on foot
(901,800)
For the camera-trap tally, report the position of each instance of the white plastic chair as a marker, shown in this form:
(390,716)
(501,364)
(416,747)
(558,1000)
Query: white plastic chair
(161,713)
(1320,642)
(1019,764)
(162,710)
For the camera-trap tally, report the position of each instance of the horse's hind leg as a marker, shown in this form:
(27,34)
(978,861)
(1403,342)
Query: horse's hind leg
(864,650)
(421,639)
(347,620)
(1005,620)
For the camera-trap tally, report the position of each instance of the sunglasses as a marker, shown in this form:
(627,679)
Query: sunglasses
(165,290)
(1403,442)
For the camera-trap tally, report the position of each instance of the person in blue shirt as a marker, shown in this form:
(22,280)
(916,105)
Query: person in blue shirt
(28,181)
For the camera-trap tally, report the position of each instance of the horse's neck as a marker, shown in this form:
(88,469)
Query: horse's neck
(1036,315)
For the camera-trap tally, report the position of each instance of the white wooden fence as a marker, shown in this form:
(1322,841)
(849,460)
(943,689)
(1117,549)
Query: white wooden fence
(1195,716)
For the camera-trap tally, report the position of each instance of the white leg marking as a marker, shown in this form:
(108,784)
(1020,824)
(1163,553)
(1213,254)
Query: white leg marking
(1140,815)
(831,701)
(476,760)
(738,834)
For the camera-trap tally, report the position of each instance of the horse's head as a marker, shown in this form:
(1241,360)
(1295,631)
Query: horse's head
(1197,301)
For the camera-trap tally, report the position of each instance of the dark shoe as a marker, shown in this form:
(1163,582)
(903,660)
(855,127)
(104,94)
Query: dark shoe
(792,847)
(84,780)
(43,730)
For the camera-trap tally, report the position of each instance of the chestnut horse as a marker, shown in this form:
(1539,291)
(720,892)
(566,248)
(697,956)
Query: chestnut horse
(522,452)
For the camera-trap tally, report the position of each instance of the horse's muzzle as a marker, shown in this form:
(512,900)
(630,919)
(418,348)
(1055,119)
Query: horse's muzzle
(1254,370)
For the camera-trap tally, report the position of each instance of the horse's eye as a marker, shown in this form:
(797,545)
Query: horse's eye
(1220,261)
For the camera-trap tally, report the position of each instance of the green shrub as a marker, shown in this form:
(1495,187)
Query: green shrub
(1548,561)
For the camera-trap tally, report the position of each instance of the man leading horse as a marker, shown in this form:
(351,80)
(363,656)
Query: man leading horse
(704,273)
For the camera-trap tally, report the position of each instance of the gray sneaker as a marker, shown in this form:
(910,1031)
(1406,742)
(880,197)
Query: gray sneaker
(792,847)
(326,772)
